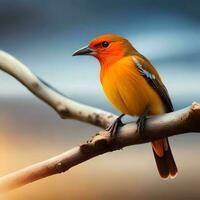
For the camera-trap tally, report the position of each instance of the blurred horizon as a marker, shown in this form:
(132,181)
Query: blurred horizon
(43,35)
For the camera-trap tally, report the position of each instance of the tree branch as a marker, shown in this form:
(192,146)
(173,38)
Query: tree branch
(64,106)
(179,122)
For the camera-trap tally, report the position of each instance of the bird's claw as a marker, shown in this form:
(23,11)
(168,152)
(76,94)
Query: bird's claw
(141,125)
(113,128)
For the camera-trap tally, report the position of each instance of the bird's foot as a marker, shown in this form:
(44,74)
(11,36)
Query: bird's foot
(141,125)
(113,128)
(141,122)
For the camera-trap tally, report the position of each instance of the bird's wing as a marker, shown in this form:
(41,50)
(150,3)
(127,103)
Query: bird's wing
(152,77)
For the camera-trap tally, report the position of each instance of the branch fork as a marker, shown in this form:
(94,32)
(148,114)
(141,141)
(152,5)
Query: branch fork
(179,122)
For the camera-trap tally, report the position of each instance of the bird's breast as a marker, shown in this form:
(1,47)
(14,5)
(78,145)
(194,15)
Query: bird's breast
(127,90)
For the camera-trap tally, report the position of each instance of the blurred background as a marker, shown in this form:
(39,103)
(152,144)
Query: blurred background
(43,35)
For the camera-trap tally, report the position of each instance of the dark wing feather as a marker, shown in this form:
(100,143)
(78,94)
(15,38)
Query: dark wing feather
(156,85)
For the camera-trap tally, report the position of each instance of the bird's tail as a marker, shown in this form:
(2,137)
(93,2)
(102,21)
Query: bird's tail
(164,158)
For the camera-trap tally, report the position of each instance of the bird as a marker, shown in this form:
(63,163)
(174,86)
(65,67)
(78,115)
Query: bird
(134,88)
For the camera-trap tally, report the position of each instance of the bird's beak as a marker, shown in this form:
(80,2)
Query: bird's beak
(84,51)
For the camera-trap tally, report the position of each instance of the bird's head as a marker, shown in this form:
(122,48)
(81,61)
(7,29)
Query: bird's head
(107,48)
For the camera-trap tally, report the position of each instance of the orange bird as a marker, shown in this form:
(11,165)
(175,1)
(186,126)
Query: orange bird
(135,88)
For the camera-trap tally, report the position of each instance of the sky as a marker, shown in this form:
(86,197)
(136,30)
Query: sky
(43,35)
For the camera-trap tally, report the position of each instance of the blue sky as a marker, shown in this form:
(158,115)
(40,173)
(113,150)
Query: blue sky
(43,35)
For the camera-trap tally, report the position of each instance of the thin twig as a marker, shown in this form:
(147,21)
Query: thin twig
(65,107)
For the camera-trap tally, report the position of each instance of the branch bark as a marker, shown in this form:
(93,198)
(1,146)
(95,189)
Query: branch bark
(179,122)
(65,107)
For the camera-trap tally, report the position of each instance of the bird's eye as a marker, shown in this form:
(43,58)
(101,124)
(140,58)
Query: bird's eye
(104,44)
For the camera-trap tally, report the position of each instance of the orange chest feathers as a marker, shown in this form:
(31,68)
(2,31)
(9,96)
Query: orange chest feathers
(127,90)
